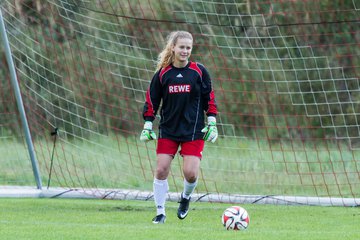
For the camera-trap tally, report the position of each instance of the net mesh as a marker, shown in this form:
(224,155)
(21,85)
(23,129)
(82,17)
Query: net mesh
(285,75)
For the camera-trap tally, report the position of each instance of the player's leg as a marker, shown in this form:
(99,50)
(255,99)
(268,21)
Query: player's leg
(192,153)
(191,171)
(166,150)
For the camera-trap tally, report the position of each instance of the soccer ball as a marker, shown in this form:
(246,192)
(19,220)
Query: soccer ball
(235,218)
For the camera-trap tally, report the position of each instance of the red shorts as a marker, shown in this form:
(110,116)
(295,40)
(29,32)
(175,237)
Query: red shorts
(167,146)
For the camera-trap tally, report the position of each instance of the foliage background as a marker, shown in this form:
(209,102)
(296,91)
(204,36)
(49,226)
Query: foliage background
(331,35)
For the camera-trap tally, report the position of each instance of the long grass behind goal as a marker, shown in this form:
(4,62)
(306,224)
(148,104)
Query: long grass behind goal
(285,74)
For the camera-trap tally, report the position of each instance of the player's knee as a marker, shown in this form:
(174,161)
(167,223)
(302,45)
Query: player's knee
(161,172)
(191,180)
(190,176)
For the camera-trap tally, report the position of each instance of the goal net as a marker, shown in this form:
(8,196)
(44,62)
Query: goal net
(285,76)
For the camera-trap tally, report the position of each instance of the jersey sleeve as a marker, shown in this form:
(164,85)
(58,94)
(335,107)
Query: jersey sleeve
(152,98)
(208,95)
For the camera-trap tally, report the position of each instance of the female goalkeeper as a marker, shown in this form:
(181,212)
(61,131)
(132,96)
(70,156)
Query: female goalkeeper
(184,87)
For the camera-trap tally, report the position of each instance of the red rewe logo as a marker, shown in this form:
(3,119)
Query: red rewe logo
(184,88)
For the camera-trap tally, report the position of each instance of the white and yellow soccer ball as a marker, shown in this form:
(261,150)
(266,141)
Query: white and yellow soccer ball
(235,218)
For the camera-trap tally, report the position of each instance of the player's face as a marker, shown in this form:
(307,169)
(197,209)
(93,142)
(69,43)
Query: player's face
(182,51)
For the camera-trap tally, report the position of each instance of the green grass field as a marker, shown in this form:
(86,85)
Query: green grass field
(114,219)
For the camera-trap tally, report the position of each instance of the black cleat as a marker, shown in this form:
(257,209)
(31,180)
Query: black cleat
(161,218)
(183,207)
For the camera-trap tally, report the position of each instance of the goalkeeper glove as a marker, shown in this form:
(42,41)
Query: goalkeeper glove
(210,130)
(147,134)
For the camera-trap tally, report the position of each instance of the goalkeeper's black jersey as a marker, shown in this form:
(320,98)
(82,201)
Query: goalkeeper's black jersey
(185,95)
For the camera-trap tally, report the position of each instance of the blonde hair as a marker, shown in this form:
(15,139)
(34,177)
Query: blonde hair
(166,56)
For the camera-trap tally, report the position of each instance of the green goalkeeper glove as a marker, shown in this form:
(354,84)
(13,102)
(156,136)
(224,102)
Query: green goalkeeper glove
(147,134)
(210,130)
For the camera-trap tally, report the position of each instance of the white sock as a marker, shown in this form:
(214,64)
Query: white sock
(188,188)
(161,188)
